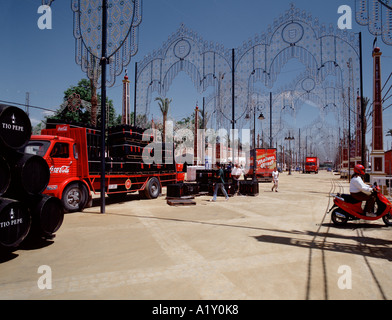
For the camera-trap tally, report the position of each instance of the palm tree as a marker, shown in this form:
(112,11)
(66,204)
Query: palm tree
(164,106)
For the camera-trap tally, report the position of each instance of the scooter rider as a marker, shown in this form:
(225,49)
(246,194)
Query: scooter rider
(361,191)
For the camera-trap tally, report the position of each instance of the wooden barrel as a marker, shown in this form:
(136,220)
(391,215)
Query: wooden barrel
(15,222)
(15,127)
(5,176)
(47,214)
(30,175)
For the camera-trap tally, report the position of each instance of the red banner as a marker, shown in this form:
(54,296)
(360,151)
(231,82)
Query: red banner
(265,161)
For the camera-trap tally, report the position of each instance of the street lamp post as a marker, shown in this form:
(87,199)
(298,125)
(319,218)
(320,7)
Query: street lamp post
(120,20)
(290,138)
(261,117)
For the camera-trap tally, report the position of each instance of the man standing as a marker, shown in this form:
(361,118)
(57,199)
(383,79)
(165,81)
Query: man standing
(275,179)
(219,184)
(236,174)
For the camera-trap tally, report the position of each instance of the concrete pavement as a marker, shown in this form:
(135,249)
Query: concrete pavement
(274,246)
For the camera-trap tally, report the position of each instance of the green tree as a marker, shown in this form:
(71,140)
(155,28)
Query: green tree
(82,115)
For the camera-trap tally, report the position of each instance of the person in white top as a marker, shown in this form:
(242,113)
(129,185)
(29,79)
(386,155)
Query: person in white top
(236,174)
(361,191)
(275,179)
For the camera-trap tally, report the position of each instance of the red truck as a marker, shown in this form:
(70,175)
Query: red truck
(265,164)
(312,164)
(74,162)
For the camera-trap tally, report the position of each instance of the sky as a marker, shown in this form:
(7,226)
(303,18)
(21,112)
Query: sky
(42,62)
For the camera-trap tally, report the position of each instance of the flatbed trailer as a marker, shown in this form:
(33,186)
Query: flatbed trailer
(73,156)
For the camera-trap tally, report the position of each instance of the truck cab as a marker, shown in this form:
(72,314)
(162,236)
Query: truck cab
(312,164)
(62,156)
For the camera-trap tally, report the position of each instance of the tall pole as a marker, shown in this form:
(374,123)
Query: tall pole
(254,145)
(289,138)
(233,99)
(291,157)
(349,134)
(299,145)
(135,97)
(103,102)
(204,118)
(363,116)
(271,120)
(195,141)
(306,152)
(377,155)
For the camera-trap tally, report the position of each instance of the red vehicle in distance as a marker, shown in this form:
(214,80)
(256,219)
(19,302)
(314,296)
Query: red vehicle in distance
(312,164)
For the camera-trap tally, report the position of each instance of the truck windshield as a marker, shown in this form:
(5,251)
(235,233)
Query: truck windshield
(310,164)
(37,147)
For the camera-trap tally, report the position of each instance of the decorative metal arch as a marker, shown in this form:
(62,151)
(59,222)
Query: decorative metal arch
(257,64)
(377,15)
(124,18)
(206,63)
(324,53)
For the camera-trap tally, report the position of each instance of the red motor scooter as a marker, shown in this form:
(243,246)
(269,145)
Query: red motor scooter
(347,208)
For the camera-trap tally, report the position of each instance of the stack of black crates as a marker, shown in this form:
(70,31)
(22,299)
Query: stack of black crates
(206,180)
(126,146)
(25,213)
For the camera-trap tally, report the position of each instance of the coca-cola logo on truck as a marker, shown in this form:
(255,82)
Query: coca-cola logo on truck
(63,169)
(62,128)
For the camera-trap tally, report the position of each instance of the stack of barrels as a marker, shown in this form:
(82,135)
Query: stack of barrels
(24,210)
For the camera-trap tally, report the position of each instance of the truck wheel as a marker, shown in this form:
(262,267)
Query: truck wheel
(74,197)
(153,188)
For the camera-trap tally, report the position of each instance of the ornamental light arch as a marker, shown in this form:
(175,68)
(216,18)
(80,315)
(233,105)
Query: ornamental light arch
(207,64)
(251,71)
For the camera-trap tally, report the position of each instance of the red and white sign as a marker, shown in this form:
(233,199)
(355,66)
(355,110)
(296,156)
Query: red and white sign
(265,161)
(63,169)
(62,128)
(128,184)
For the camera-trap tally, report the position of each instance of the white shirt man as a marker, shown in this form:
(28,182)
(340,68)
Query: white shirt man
(236,174)
(362,192)
(357,185)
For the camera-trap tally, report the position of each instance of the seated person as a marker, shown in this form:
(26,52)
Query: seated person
(361,191)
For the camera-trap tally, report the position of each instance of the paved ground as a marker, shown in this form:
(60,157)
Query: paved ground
(274,246)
